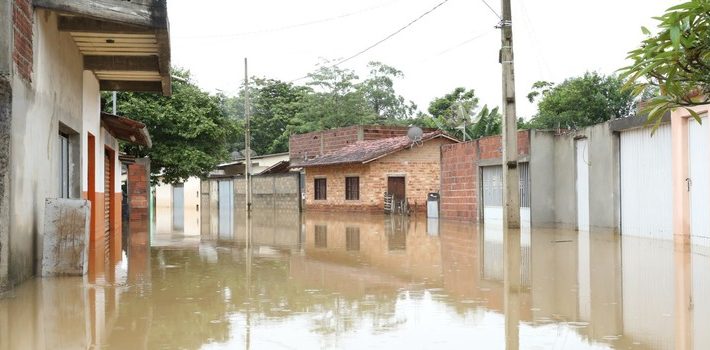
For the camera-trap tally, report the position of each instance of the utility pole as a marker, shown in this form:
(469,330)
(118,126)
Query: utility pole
(511,207)
(247,140)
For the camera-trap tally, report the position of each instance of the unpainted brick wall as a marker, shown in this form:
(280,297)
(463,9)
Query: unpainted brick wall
(459,173)
(321,142)
(459,180)
(22,53)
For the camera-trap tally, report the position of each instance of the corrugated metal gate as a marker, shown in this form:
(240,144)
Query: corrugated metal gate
(646,187)
(225,193)
(178,207)
(492,185)
(699,174)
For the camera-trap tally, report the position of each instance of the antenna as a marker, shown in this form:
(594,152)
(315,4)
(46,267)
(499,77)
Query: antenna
(415,134)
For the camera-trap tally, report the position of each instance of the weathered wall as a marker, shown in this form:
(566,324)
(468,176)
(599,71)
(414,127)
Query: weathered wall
(542,162)
(275,191)
(6,28)
(553,192)
(54,96)
(138,192)
(460,171)
(322,142)
(420,166)
(5,130)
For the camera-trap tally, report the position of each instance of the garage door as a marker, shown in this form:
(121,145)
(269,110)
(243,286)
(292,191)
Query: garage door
(492,179)
(225,194)
(646,187)
(699,173)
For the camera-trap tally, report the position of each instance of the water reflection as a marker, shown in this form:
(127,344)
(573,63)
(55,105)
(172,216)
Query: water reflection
(371,281)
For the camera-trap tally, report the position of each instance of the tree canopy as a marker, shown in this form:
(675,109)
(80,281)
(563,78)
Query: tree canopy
(676,60)
(580,101)
(191,134)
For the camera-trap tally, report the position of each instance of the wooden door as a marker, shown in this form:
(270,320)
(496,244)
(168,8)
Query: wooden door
(396,187)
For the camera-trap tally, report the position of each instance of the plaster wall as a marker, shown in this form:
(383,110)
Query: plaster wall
(60,97)
(53,97)
(553,178)
(191,206)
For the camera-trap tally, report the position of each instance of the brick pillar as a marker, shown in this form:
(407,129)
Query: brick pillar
(138,202)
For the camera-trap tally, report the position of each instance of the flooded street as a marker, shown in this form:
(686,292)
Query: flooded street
(358,281)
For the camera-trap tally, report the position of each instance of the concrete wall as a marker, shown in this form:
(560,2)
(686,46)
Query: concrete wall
(276,191)
(191,207)
(553,177)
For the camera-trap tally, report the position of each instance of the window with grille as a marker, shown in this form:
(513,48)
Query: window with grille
(321,189)
(352,188)
(64,152)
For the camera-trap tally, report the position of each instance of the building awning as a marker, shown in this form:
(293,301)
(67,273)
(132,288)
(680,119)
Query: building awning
(126,129)
(125,43)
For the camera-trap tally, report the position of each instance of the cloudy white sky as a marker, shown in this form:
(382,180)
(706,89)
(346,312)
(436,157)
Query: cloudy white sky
(455,45)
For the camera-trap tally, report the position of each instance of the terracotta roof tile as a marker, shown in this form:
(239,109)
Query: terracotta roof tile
(365,151)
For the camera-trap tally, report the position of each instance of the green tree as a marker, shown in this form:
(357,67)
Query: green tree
(676,60)
(190,132)
(274,105)
(336,101)
(455,107)
(580,101)
(378,90)
(487,122)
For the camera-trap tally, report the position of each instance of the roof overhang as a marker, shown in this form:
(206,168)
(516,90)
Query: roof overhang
(125,43)
(125,129)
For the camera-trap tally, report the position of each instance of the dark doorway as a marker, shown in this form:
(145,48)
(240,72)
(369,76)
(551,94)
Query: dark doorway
(395,187)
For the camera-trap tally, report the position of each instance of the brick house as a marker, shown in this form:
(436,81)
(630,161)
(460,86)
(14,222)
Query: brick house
(356,176)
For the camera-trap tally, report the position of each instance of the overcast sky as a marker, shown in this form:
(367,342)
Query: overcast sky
(455,45)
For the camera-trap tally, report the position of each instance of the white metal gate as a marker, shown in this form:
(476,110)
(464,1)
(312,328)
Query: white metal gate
(492,177)
(225,204)
(699,180)
(178,207)
(492,192)
(582,184)
(646,187)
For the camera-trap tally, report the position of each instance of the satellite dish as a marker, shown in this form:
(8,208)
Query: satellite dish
(415,133)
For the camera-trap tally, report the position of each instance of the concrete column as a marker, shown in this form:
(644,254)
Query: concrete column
(679,150)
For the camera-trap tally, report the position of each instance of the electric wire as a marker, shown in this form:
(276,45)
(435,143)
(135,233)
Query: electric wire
(384,39)
(492,10)
(291,26)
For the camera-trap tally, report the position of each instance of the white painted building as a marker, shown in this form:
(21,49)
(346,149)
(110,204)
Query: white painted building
(56,56)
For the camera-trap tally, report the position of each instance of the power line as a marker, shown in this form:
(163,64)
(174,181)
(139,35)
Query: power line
(291,26)
(466,42)
(384,39)
(492,10)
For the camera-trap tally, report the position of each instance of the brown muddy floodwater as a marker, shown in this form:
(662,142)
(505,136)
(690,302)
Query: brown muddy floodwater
(358,281)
